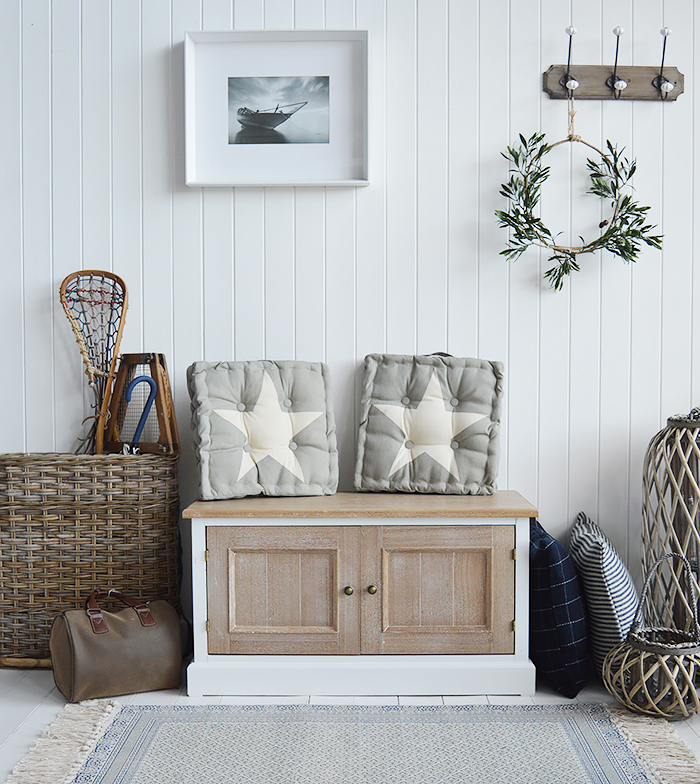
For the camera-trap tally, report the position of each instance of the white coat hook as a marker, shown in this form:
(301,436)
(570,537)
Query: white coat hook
(662,84)
(614,82)
(568,81)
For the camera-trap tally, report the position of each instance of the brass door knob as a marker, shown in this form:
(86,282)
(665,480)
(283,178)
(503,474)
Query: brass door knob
(372,589)
(348,590)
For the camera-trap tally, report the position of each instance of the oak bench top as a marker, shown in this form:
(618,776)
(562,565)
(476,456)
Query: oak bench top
(503,503)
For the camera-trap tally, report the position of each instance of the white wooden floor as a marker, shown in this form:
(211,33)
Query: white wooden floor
(29,701)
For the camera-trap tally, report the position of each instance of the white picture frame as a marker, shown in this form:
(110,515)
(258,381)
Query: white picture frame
(322,143)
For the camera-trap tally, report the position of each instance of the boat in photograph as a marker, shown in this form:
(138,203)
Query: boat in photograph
(267,118)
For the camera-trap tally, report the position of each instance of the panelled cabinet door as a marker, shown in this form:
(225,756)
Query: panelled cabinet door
(273,590)
(440,590)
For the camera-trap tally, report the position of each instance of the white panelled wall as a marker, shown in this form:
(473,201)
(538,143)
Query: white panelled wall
(92,151)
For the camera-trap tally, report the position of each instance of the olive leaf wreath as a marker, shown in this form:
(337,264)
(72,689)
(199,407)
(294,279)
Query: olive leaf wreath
(622,234)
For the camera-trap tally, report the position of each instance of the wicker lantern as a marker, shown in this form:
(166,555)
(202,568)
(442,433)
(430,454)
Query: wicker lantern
(671,512)
(655,670)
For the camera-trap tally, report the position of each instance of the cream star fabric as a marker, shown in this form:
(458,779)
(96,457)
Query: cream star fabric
(269,430)
(429,428)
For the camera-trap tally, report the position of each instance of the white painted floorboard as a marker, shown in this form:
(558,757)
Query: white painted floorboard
(29,701)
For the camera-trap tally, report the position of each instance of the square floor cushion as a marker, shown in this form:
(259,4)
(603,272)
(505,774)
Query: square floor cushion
(558,637)
(429,424)
(263,428)
(611,598)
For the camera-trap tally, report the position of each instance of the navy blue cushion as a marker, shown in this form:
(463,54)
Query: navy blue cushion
(558,639)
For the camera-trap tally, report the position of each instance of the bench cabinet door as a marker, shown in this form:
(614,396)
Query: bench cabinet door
(273,590)
(440,590)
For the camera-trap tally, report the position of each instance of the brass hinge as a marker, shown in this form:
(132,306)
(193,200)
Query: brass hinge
(208,624)
(513,627)
(206,555)
(514,553)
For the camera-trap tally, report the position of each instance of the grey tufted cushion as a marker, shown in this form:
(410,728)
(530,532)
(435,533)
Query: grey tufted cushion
(429,424)
(263,428)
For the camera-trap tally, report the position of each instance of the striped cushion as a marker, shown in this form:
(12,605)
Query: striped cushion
(558,639)
(611,598)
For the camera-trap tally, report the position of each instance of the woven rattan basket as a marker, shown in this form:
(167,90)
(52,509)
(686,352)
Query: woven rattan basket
(73,523)
(655,671)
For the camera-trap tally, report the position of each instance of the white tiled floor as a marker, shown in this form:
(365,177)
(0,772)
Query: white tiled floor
(29,701)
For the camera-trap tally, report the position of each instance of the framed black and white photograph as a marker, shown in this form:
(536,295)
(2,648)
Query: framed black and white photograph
(266,108)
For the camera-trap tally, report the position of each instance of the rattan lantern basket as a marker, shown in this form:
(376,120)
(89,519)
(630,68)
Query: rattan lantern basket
(656,669)
(72,523)
(671,511)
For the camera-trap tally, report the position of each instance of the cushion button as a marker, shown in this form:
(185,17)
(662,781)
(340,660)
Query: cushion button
(409,444)
(405,400)
(454,401)
(241,406)
(293,445)
(454,444)
(287,403)
(247,448)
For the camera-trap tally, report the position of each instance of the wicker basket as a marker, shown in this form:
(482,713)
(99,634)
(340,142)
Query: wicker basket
(655,671)
(73,523)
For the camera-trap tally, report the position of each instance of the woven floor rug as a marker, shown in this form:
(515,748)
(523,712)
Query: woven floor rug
(104,743)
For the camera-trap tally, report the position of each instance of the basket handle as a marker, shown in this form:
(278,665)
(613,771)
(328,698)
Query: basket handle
(639,615)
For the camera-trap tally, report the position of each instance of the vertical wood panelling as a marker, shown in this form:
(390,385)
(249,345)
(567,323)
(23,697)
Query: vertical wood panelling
(249,274)
(554,328)
(217,236)
(309,274)
(188,331)
(371,271)
(37,229)
(65,197)
(309,14)
(127,159)
(249,236)
(677,280)
(95,53)
(463,177)
(279,236)
(645,413)
(493,138)
(279,273)
(340,322)
(308,332)
(11,209)
(431,177)
(93,177)
(157,110)
(341,294)
(692,67)
(584,288)
(248,14)
(401,194)
(523,355)
(615,314)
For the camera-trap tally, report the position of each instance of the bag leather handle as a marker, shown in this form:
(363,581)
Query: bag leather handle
(97,619)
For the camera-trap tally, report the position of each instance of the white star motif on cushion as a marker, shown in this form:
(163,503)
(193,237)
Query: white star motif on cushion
(269,430)
(429,428)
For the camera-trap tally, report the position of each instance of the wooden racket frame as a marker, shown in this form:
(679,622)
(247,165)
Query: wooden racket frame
(168,441)
(90,370)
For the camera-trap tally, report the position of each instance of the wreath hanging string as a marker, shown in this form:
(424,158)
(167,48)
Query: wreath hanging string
(622,234)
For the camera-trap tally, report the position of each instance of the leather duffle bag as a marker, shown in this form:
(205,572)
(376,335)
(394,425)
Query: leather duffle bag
(95,653)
